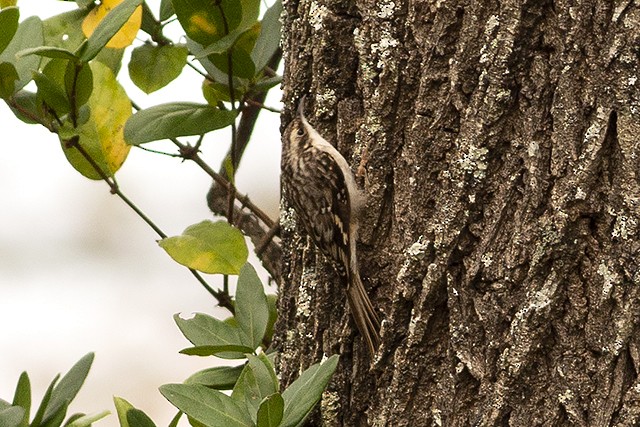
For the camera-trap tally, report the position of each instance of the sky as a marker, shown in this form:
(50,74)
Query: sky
(80,272)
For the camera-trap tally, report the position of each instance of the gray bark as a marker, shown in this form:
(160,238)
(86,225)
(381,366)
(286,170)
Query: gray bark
(498,144)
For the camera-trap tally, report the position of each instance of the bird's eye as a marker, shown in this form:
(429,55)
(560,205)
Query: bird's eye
(300,131)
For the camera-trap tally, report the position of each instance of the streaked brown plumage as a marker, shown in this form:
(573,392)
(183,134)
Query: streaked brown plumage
(322,190)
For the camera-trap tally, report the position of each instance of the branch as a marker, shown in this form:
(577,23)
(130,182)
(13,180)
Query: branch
(250,112)
(269,251)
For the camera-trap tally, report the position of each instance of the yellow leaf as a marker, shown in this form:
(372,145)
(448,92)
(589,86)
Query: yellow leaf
(127,33)
(102,135)
(110,109)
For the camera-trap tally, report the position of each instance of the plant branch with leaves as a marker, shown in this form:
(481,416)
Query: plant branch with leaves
(74,59)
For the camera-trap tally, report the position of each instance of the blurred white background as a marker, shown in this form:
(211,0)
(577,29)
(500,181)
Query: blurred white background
(80,272)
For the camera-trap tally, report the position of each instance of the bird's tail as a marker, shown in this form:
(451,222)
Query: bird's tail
(363,313)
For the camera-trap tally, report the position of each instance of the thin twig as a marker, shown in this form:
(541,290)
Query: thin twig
(268,250)
(197,70)
(264,107)
(151,150)
(74,142)
(244,199)
(266,241)
(188,153)
(232,98)
(12,102)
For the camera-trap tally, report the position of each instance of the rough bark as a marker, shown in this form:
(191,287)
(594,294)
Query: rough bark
(498,143)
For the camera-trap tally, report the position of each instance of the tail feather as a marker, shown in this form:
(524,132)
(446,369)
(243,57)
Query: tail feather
(363,313)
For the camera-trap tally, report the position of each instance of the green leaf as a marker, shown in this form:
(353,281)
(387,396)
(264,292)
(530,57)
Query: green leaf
(210,247)
(11,416)
(174,422)
(153,67)
(223,351)
(87,420)
(88,138)
(271,411)
(250,12)
(209,407)
(37,420)
(215,92)
(267,360)
(175,119)
(56,418)
(267,83)
(204,22)
(269,39)
(241,63)
(78,81)
(203,330)
(219,377)
(27,101)
(212,71)
(222,45)
(149,24)
(129,416)
(122,407)
(252,309)
(272,301)
(29,35)
(9,23)
(73,418)
(48,52)
(22,397)
(305,392)
(254,384)
(137,418)
(68,387)
(65,30)
(8,78)
(166,10)
(240,85)
(51,90)
(84,3)
(107,28)
(112,58)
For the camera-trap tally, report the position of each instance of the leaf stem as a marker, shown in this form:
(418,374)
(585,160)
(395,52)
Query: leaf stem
(264,107)
(73,113)
(232,99)
(12,103)
(197,70)
(151,150)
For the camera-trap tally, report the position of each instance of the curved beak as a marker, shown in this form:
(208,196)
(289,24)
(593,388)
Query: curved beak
(301,107)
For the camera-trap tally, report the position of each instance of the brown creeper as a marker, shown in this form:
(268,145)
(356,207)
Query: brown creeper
(323,192)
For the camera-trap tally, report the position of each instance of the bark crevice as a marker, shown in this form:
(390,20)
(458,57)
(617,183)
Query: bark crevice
(500,238)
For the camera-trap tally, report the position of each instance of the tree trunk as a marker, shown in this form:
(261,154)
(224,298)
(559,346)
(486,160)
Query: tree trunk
(498,144)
